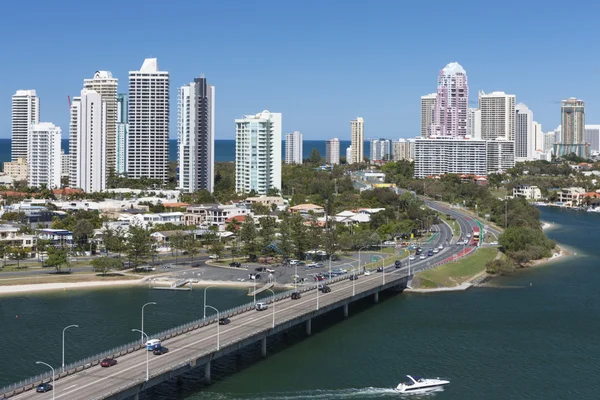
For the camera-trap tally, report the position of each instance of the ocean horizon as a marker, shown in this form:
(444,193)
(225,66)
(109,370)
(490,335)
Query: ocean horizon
(224,149)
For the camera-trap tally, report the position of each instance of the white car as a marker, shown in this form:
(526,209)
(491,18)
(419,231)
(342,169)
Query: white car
(435,251)
(367,273)
(261,306)
(493,243)
(213,256)
(422,257)
(468,235)
(441,247)
(270,270)
(412,257)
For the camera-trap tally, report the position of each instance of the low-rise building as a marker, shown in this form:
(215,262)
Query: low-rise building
(57,237)
(212,214)
(16,169)
(265,200)
(11,236)
(527,192)
(573,196)
(146,220)
(307,208)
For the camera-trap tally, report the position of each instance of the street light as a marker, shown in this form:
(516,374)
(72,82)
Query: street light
(147,362)
(49,366)
(205,298)
(63,344)
(364,247)
(273,307)
(218,343)
(147,304)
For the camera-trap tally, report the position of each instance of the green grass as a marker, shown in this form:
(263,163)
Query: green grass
(453,224)
(455,273)
(392,256)
(499,192)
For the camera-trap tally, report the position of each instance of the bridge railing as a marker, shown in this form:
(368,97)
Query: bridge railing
(32,382)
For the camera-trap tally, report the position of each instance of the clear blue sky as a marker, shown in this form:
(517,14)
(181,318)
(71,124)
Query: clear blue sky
(319,62)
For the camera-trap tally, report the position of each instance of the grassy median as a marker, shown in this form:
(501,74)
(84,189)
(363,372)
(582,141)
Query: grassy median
(66,278)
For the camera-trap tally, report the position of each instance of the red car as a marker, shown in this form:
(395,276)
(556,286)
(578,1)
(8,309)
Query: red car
(108,362)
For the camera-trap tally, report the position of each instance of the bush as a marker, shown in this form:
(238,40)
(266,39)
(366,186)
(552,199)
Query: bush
(500,267)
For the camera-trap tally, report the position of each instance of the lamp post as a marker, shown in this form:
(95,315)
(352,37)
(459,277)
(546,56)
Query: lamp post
(218,330)
(205,299)
(147,304)
(147,362)
(63,344)
(49,366)
(273,307)
(364,247)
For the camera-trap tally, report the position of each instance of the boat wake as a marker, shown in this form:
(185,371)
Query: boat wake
(340,394)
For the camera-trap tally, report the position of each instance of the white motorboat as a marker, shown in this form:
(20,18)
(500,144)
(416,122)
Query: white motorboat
(418,385)
(596,210)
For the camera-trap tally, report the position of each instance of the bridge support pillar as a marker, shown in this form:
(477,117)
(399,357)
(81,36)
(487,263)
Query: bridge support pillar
(346,310)
(263,347)
(135,396)
(207,373)
(308,327)
(376,297)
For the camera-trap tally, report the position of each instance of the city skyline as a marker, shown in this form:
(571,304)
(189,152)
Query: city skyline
(493,66)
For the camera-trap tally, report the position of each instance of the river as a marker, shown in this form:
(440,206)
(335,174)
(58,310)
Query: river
(528,336)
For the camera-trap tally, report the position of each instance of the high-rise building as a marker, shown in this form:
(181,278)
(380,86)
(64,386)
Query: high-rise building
(122,127)
(65,164)
(451,103)
(549,140)
(43,149)
(148,136)
(474,123)
(349,154)
(572,129)
(592,136)
(500,155)
(91,167)
(105,85)
(196,136)
(524,133)
(293,148)
(25,111)
(497,115)
(427,104)
(538,135)
(403,150)
(357,128)
(258,153)
(449,155)
(381,149)
(73,137)
(332,151)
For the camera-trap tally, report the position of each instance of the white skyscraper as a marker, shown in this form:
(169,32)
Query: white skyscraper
(293,148)
(25,111)
(449,155)
(122,127)
(349,155)
(357,130)
(538,135)
(381,149)
(524,133)
(427,105)
(258,153)
(591,135)
(500,155)
(403,150)
(474,123)
(497,115)
(91,167)
(148,137)
(196,136)
(332,151)
(106,86)
(549,140)
(44,160)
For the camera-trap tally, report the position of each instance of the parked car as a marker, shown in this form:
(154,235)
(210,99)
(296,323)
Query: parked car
(301,263)
(43,387)
(296,296)
(254,277)
(319,278)
(261,306)
(294,262)
(235,264)
(325,289)
(320,265)
(311,265)
(270,270)
(224,321)
(260,269)
(159,351)
(108,362)
(354,277)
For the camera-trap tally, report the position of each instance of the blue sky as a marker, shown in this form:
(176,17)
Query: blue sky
(320,63)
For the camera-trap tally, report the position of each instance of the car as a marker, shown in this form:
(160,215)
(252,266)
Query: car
(319,278)
(422,257)
(235,264)
(224,321)
(43,387)
(435,251)
(354,277)
(261,306)
(108,362)
(260,269)
(270,270)
(311,265)
(294,262)
(494,243)
(441,247)
(398,263)
(379,269)
(159,351)
(320,265)
(301,263)
(296,296)
(367,272)
(325,289)
(468,235)
(166,266)
(412,257)
(213,256)
(152,344)
(254,277)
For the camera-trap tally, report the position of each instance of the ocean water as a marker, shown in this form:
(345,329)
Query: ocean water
(224,149)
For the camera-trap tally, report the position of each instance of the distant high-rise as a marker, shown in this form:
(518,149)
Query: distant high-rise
(549,140)
(44,161)
(592,136)
(357,127)
(258,153)
(451,103)
(148,136)
(572,129)
(73,137)
(538,135)
(105,85)
(91,167)
(497,115)
(122,127)
(500,155)
(25,111)
(381,150)
(349,154)
(474,123)
(524,133)
(403,150)
(332,151)
(196,136)
(293,148)
(427,105)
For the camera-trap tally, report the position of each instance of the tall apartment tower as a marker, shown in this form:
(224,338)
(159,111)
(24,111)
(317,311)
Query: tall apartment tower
(474,123)
(148,137)
(293,148)
(572,117)
(538,134)
(332,151)
(122,127)
(258,153)
(592,136)
(427,105)
(25,111)
(497,115)
(105,85)
(43,149)
(524,133)
(91,167)
(357,134)
(196,136)
(73,138)
(381,150)
(451,103)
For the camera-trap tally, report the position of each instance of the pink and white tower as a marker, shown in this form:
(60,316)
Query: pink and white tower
(451,103)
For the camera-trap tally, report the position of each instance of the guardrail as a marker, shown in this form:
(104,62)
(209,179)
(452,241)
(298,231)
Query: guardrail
(78,366)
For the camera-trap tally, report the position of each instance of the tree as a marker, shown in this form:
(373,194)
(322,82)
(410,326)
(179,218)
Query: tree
(139,245)
(177,243)
(82,231)
(285,236)
(248,236)
(191,245)
(19,216)
(57,257)
(105,264)
(315,156)
(217,248)
(17,253)
(267,231)
(114,240)
(299,235)
(4,251)
(42,246)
